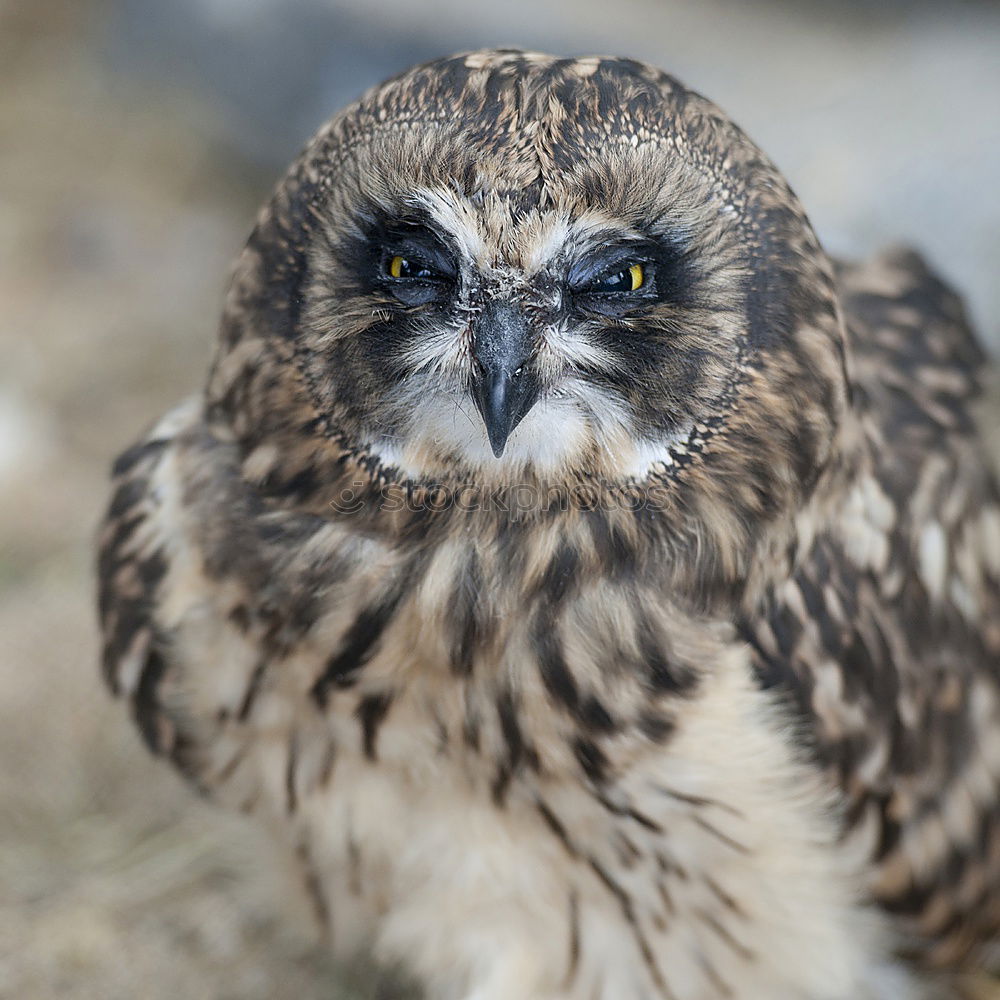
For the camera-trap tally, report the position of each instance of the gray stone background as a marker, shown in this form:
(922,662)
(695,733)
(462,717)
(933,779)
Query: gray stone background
(137,138)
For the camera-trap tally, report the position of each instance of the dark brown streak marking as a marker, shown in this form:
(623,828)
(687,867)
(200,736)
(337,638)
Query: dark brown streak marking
(631,812)
(371,713)
(314,887)
(553,822)
(240,617)
(628,853)
(561,684)
(358,644)
(131,616)
(518,750)
(628,911)
(664,676)
(559,575)
(724,897)
(145,704)
(353,858)
(470,721)
(698,800)
(465,618)
(556,675)
(573,958)
(441,735)
(229,768)
(670,867)
(327,765)
(668,902)
(595,716)
(723,989)
(253,688)
(291,799)
(591,759)
(131,457)
(725,935)
(719,835)
(128,495)
(656,728)
(119,533)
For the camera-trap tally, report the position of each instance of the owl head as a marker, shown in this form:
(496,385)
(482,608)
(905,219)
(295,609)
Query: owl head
(505,266)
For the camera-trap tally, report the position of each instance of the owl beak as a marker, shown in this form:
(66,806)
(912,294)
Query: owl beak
(504,385)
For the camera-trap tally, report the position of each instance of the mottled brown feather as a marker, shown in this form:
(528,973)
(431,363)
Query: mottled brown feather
(310,627)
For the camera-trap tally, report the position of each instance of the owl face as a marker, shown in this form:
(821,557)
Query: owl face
(469,322)
(504,265)
(527,301)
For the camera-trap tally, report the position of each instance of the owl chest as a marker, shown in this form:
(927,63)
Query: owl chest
(449,822)
(548,887)
(535,890)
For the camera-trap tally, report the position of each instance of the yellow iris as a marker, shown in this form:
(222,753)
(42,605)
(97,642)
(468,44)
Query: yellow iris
(396,267)
(638,277)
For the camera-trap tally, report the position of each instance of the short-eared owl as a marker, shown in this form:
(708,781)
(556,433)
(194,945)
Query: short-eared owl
(599,585)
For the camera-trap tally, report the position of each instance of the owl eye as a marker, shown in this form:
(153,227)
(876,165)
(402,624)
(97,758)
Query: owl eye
(404,268)
(628,279)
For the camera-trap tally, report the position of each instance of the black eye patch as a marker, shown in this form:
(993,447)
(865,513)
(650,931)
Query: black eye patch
(620,277)
(415,266)
(423,252)
(426,267)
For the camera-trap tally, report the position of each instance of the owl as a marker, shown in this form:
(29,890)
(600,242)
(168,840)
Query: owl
(595,586)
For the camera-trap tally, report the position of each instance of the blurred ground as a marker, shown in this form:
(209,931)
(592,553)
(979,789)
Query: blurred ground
(136,140)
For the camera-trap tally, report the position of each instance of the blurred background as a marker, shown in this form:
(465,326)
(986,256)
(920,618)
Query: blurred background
(137,138)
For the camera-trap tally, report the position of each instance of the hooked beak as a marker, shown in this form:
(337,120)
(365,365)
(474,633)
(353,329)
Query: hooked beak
(504,386)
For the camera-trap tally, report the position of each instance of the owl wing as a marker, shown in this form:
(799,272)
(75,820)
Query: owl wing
(184,604)
(887,639)
(210,603)
(135,555)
